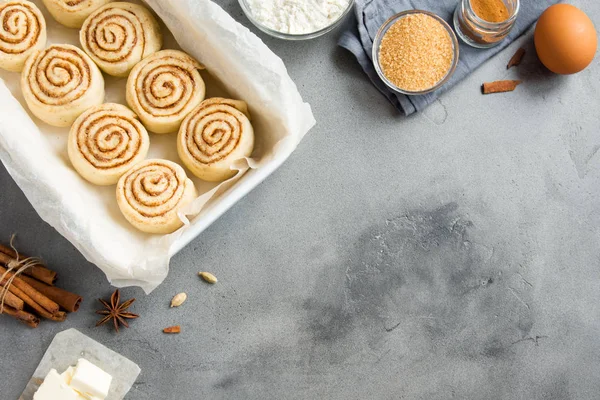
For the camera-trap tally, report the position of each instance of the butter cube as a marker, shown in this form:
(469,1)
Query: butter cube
(90,381)
(68,375)
(81,397)
(54,387)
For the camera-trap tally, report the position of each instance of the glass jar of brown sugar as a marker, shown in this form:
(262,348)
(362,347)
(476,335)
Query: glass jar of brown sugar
(485,23)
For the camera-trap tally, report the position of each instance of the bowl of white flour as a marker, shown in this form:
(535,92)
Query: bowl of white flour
(296,19)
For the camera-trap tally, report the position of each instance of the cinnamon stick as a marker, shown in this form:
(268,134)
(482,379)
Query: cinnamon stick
(60,316)
(12,300)
(67,300)
(36,296)
(57,316)
(499,86)
(516,58)
(38,271)
(29,319)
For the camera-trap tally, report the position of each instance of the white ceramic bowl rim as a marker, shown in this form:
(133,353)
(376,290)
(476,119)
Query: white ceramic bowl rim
(295,36)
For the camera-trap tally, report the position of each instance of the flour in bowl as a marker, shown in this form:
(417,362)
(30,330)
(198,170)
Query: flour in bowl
(297,16)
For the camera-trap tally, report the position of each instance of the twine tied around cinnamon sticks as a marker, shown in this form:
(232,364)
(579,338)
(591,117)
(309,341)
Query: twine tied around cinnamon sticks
(19,266)
(26,282)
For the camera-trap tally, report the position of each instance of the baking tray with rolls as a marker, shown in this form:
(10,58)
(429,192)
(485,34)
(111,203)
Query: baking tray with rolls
(132,126)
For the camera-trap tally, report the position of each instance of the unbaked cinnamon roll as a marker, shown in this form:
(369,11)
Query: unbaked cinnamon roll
(72,13)
(151,194)
(105,142)
(118,35)
(163,88)
(22,31)
(60,83)
(215,135)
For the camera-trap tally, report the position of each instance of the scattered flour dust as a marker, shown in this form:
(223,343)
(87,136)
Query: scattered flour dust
(297,16)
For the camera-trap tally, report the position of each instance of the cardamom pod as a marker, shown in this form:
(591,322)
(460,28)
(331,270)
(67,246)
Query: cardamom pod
(178,299)
(208,277)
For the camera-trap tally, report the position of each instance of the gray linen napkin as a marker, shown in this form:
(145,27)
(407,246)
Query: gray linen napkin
(371,14)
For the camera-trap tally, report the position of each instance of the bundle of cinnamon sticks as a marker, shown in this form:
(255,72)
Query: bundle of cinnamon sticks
(32,294)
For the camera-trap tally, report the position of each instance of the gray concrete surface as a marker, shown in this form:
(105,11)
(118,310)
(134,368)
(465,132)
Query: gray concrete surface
(450,255)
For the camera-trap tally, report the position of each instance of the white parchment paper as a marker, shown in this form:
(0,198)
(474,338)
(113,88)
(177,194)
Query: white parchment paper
(69,346)
(239,65)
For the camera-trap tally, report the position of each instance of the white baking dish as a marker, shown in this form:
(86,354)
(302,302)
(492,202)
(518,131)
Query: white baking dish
(240,66)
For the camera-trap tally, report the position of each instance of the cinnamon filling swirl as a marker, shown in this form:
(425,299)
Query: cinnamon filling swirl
(72,13)
(59,76)
(163,88)
(119,35)
(61,83)
(113,34)
(166,89)
(73,3)
(213,132)
(108,141)
(105,142)
(214,137)
(21,27)
(154,189)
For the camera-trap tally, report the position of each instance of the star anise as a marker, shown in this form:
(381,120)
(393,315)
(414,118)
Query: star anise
(115,311)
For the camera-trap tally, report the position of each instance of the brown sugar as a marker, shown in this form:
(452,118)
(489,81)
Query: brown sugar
(416,52)
(490,10)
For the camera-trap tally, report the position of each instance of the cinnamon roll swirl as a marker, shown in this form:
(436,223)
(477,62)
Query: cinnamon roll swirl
(60,83)
(72,13)
(118,35)
(105,142)
(22,31)
(152,192)
(213,136)
(163,88)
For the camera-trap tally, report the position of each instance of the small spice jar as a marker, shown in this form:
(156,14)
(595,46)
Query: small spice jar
(485,23)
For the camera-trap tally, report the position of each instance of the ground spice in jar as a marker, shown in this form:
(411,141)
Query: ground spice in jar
(416,52)
(490,10)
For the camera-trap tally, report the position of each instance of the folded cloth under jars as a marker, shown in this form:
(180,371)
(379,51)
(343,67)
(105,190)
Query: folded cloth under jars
(371,14)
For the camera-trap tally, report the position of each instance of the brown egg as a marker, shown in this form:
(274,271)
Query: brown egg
(565,39)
